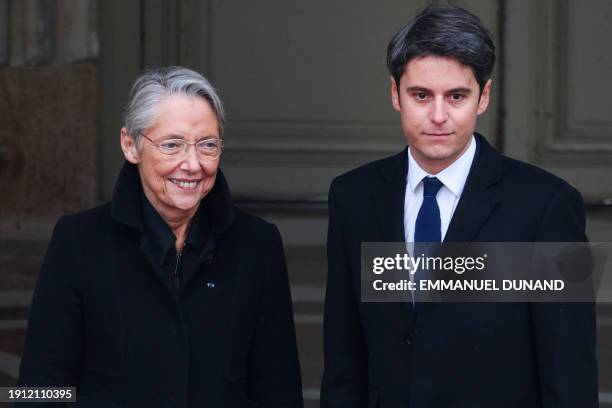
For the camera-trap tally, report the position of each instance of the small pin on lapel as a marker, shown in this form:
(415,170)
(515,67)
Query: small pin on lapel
(210,284)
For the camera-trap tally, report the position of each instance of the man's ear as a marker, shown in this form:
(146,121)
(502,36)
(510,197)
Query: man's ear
(484,97)
(395,95)
(130,150)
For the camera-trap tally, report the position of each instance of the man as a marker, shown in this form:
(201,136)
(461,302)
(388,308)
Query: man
(441,354)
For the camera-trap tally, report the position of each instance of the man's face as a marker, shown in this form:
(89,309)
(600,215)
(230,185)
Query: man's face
(438,101)
(175,184)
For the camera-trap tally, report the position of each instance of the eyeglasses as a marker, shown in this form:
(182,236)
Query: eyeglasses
(208,149)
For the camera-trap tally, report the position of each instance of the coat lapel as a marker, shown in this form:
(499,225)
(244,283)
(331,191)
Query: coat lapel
(389,198)
(478,199)
(389,211)
(477,202)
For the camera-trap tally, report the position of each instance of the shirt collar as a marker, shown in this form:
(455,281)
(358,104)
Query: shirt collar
(453,177)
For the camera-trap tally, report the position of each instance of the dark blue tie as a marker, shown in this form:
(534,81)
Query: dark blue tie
(427,227)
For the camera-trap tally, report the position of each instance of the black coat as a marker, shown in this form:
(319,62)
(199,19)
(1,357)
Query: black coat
(454,355)
(105,319)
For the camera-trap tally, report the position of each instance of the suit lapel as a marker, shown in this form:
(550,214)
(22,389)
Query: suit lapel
(389,198)
(389,210)
(478,199)
(477,202)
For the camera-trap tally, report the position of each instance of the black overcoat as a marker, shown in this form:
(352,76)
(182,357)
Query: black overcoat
(107,319)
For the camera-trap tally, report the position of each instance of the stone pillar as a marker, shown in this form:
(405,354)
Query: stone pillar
(3,32)
(48,143)
(48,113)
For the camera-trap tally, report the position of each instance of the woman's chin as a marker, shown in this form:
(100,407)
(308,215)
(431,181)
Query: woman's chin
(186,203)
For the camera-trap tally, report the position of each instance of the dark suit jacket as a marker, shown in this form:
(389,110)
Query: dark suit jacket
(106,318)
(461,354)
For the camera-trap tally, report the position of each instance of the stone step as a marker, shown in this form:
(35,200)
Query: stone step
(19,265)
(307,269)
(307,266)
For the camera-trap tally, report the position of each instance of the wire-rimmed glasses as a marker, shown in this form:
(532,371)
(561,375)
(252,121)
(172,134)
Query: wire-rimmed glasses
(208,149)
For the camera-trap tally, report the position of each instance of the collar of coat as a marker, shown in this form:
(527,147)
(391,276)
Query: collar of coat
(127,210)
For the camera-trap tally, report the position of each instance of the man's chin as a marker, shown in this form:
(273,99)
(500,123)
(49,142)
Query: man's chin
(440,154)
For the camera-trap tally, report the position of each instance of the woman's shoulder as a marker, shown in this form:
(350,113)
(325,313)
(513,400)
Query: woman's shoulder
(246,223)
(86,220)
(95,214)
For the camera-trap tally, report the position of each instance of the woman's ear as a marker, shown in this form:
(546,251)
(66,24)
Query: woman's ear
(130,150)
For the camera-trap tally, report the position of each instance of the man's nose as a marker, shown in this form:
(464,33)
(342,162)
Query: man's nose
(439,112)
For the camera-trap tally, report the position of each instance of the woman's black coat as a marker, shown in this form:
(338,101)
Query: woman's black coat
(106,319)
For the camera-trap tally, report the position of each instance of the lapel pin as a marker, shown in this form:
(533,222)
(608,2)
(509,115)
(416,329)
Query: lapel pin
(210,284)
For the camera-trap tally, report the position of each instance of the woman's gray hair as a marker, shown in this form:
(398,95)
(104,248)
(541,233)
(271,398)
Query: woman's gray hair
(154,85)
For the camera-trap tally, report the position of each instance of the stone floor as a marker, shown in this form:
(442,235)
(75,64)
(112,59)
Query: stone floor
(19,265)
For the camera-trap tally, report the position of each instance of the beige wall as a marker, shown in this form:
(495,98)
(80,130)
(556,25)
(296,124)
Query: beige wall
(305,86)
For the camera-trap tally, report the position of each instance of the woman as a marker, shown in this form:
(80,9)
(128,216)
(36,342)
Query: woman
(168,295)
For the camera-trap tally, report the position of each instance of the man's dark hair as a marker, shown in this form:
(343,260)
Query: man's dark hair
(446,32)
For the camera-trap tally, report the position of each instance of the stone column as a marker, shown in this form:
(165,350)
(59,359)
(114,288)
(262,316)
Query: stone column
(48,113)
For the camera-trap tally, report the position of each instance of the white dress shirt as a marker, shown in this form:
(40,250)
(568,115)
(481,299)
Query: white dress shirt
(453,179)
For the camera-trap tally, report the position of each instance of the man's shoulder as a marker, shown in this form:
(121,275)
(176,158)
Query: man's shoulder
(370,174)
(530,178)
(516,177)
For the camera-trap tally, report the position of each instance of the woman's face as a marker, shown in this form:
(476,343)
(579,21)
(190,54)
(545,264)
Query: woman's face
(175,184)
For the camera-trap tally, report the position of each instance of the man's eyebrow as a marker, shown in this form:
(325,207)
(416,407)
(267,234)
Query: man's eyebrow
(461,89)
(417,89)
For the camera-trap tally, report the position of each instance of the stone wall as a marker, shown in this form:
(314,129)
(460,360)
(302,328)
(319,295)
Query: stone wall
(48,143)
(48,113)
